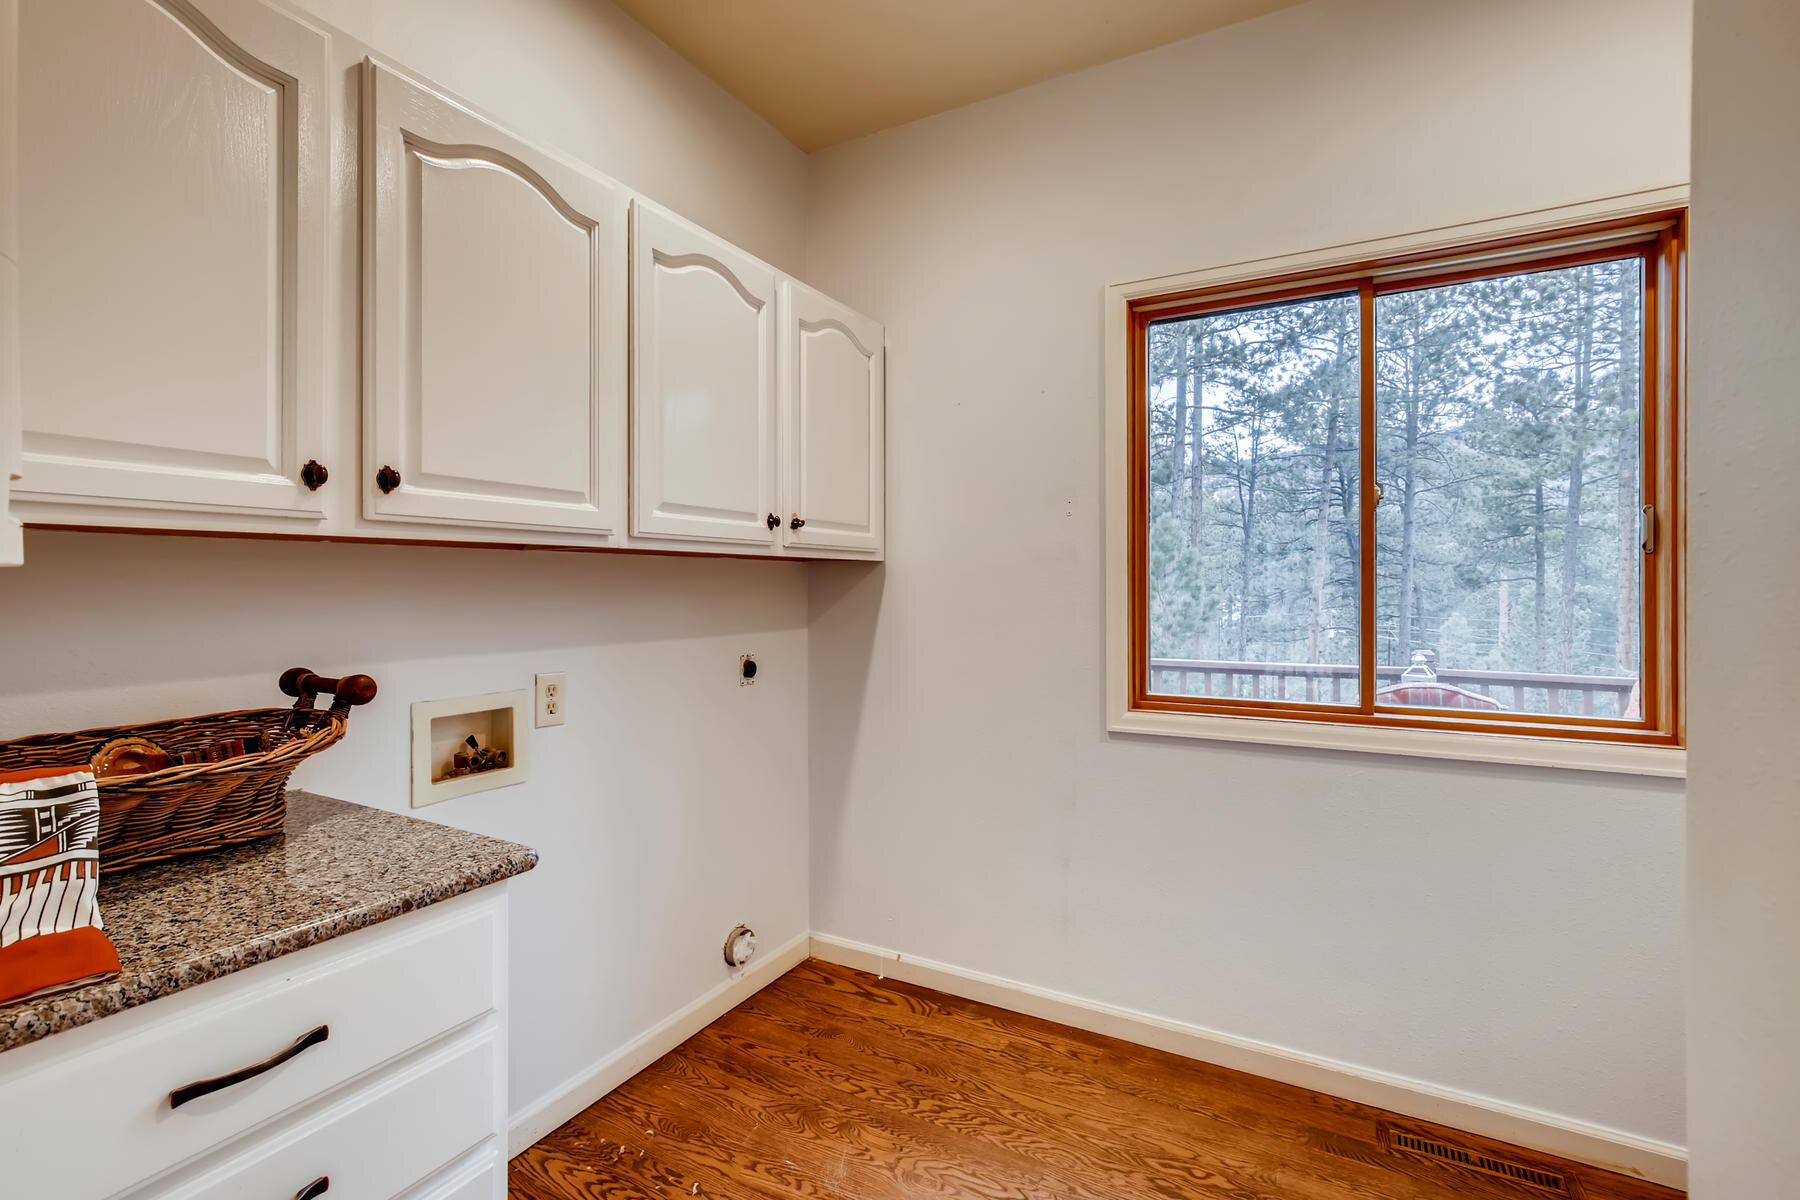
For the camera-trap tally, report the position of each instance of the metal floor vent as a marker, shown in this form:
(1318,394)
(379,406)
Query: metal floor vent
(1551,1182)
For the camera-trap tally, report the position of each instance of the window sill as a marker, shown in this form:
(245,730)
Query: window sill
(1659,761)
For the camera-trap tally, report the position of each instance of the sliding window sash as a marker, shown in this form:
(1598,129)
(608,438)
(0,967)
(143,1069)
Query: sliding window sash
(1659,241)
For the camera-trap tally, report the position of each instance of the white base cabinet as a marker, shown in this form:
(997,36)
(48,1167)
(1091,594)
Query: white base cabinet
(404,1095)
(270,285)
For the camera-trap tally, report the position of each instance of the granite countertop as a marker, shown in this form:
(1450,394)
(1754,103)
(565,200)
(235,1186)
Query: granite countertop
(337,867)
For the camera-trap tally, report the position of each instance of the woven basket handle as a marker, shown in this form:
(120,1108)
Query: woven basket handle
(346,693)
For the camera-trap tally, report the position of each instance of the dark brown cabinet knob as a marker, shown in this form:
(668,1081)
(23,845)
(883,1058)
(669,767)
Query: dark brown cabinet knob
(314,474)
(796,522)
(774,520)
(387,479)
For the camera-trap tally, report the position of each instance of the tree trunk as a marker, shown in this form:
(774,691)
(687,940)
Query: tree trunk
(1178,437)
(1409,500)
(1571,549)
(1630,488)
(1321,569)
(1321,548)
(1350,504)
(1197,439)
(1247,507)
(1197,463)
(1541,591)
(1571,568)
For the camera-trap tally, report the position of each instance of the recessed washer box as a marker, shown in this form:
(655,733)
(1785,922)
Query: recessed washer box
(498,720)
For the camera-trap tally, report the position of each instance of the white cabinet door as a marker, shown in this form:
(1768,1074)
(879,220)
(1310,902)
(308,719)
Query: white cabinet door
(833,367)
(174,171)
(494,353)
(702,385)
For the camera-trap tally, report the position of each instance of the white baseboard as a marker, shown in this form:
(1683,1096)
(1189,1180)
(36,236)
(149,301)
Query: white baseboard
(592,1082)
(1645,1158)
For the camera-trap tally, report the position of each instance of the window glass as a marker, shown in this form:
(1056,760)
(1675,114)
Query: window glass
(1509,566)
(1253,523)
(1436,491)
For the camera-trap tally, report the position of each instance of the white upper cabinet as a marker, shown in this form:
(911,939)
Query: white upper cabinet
(484,341)
(833,369)
(494,359)
(173,173)
(702,385)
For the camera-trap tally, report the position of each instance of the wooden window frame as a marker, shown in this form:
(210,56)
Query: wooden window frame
(1659,238)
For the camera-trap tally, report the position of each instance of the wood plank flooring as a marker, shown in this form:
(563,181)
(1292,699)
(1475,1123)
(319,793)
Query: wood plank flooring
(833,1085)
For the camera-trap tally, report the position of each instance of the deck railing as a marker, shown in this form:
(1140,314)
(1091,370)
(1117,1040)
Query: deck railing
(1517,691)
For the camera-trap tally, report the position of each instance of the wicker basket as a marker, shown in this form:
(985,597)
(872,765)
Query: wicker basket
(191,807)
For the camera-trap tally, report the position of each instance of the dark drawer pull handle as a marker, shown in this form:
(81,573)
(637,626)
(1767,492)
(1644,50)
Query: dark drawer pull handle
(316,1188)
(207,1087)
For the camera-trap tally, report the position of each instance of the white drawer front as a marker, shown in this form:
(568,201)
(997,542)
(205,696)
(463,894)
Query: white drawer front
(377,1141)
(92,1122)
(485,1180)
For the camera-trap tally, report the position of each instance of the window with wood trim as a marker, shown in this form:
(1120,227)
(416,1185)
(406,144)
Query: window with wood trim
(1439,491)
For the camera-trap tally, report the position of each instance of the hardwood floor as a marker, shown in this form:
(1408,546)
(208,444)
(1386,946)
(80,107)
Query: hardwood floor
(833,1085)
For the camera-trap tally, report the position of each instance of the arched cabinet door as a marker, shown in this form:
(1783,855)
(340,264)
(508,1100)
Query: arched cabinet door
(702,385)
(174,162)
(494,358)
(833,376)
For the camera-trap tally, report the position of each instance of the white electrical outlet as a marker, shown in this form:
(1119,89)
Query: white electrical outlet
(552,688)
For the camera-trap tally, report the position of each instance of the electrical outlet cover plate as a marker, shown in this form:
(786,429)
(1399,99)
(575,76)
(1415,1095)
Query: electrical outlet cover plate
(552,698)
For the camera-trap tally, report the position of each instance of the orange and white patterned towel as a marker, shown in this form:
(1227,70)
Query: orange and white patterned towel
(50,938)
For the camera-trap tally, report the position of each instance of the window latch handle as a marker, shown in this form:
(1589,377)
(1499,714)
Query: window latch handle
(1647,528)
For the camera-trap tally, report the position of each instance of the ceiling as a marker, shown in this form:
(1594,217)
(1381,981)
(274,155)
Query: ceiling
(823,71)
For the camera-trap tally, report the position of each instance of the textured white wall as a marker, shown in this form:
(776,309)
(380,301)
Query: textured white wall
(1743,443)
(673,803)
(671,806)
(1513,933)
(581,77)
(10,533)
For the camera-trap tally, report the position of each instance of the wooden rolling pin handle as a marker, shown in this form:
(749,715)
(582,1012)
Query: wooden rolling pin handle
(304,685)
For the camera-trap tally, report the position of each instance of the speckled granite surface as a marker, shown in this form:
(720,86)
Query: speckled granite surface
(338,867)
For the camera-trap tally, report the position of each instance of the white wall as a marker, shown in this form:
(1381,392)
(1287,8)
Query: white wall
(1743,442)
(1509,932)
(582,77)
(673,803)
(10,533)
